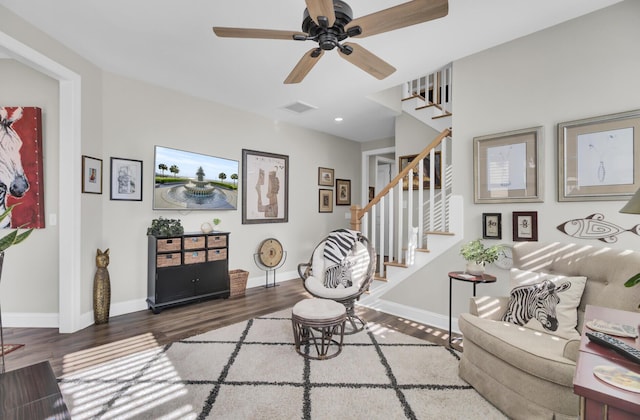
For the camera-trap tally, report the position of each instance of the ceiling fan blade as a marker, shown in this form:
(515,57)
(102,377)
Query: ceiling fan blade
(304,66)
(400,16)
(321,8)
(255,33)
(367,61)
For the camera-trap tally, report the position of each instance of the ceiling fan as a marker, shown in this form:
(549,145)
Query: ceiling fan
(329,22)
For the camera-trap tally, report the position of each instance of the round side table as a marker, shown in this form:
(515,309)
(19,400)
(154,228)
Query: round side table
(463,276)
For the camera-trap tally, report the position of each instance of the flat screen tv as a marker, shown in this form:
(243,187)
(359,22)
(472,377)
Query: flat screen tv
(194,181)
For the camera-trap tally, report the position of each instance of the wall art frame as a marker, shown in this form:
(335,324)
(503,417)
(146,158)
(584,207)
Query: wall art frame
(491,225)
(525,226)
(22,156)
(325,176)
(343,192)
(265,187)
(91,175)
(126,179)
(325,200)
(508,167)
(599,158)
(403,162)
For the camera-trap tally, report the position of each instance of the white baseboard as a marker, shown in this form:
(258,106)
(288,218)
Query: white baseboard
(418,315)
(30,320)
(51,320)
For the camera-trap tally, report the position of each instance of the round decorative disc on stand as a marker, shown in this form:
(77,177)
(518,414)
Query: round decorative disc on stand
(270,252)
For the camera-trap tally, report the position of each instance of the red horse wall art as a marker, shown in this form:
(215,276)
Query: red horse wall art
(21,166)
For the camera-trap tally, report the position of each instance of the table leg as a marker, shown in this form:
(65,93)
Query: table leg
(450,287)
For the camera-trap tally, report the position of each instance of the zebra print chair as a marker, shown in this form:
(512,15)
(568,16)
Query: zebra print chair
(323,279)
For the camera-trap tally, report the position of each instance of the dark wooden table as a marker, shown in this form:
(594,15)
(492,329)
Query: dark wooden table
(598,399)
(31,393)
(462,276)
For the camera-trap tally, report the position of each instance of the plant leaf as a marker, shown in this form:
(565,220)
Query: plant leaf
(8,240)
(22,236)
(633,281)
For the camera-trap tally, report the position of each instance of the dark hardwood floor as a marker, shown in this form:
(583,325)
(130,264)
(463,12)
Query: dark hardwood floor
(132,332)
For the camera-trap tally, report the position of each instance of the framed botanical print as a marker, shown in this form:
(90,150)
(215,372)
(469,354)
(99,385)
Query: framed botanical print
(325,201)
(325,177)
(343,192)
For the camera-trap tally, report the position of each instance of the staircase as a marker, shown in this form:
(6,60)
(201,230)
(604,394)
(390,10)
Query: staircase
(424,218)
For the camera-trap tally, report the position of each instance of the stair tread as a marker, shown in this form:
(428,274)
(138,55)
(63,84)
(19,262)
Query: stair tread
(396,264)
(379,278)
(438,232)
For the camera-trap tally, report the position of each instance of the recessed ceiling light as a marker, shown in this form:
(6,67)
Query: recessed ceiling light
(338,119)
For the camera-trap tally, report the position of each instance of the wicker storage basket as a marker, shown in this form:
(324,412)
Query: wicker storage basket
(238,281)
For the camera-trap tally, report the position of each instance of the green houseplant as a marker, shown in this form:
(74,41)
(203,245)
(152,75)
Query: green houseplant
(165,227)
(477,255)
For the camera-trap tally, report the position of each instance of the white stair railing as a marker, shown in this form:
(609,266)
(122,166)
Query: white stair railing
(389,205)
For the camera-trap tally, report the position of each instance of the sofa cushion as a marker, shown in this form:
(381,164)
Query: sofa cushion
(545,302)
(537,353)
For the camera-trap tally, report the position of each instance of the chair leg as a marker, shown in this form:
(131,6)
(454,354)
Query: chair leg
(357,323)
(2,341)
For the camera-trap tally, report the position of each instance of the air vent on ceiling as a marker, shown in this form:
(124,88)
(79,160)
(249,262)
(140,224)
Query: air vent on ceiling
(299,107)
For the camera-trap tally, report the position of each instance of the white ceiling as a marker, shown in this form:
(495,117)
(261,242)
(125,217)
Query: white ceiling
(170,43)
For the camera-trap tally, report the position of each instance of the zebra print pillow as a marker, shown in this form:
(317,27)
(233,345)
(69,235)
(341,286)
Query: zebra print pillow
(545,302)
(338,275)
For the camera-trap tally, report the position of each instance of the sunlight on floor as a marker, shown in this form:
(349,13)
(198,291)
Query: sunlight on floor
(128,378)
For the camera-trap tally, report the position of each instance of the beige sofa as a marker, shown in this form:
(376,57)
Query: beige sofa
(530,375)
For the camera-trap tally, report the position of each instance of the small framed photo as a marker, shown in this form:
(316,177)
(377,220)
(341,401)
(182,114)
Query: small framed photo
(492,225)
(525,226)
(343,192)
(91,175)
(325,201)
(404,161)
(126,179)
(325,177)
(372,193)
(599,158)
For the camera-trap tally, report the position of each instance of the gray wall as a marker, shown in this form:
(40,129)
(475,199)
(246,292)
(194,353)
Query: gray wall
(126,118)
(579,69)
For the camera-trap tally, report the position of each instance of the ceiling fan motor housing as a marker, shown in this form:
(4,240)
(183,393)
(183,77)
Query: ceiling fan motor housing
(329,38)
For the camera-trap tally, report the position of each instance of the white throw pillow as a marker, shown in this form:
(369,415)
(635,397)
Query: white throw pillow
(535,296)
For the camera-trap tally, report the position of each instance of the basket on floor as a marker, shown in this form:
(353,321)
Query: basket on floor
(238,282)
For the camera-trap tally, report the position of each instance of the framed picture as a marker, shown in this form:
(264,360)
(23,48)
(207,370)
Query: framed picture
(492,225)
(403,162)
(343,192)
(22,165)
(372,193)
(325,201)
(599,158)
(91,175)
(507,167)
(325,177)
(265,187)
(126,179)
(525,226)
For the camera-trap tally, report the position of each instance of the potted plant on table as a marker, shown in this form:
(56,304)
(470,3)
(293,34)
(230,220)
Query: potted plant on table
(477,256)
(165,227)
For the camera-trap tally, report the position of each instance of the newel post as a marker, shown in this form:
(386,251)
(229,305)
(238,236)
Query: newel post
(355,218)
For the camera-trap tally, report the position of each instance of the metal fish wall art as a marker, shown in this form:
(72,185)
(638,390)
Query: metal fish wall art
(595,227)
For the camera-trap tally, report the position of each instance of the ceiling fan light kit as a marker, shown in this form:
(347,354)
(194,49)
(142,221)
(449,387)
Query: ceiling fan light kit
(330,22)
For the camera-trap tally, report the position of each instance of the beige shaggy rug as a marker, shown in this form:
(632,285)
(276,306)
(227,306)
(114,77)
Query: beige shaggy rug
(250,370)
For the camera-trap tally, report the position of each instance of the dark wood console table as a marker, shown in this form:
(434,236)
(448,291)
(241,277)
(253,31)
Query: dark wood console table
(598,399)
(31,393)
